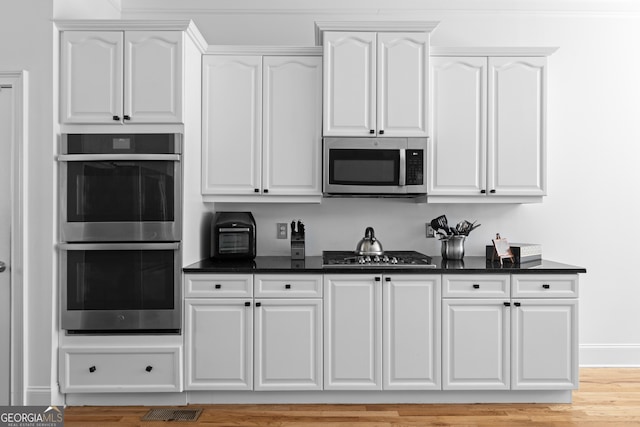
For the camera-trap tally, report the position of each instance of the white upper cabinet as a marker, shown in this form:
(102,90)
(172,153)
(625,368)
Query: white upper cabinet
(261,121)
(114,77)
(376,83)
(488,128)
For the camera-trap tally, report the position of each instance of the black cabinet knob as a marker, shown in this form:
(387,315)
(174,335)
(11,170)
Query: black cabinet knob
(483,191)
(256,190)
(492,191)
(476,286)
(247,304)
(266,190)
(517,304)
(381,132)
(287,286)
(148,368)
(387,279)
(372,131)
(377,279)
(258,304)
(546,286)
(126,117)
(92,369)
(507,304)
(218,285)
(116,118)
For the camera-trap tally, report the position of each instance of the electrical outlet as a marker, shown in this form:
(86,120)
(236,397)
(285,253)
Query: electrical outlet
(281,230)
(430,232)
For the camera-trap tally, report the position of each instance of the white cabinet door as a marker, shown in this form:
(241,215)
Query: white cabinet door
(517,99)
(91,77)
(232,124)
(153,65)
(544,353)
(411,332)
(219,344)
(475,344)
(288,344)
(403,84)
(292,116)
(457,150)
(349,84)
(352,332)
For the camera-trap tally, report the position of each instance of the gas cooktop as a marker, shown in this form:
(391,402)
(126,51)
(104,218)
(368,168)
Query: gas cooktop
(390,259)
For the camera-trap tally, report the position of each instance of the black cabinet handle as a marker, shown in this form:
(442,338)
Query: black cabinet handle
(517,304)
(476,286)
(507,304)
(492,191)
(483,191)
(148,368)
(381,132)
(266,190)
(372,131)
(116,118)
(92,369)
(247,304)
(546,286)
(258,304)
(256,190)
(218,285)
(287,286)
(126,117)
(377,279)
(387,279)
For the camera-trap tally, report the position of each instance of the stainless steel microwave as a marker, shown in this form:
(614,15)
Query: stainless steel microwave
(374,166)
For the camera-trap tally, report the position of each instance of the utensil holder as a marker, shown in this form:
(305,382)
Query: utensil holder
(453,247)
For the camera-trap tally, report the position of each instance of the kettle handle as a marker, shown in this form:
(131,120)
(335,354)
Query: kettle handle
(369,233)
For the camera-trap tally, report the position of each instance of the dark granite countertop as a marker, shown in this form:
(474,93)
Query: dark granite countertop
(313,264)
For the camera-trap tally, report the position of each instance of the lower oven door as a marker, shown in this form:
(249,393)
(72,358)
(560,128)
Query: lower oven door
(120,287)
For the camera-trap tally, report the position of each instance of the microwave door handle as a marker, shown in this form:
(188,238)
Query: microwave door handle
(403,168)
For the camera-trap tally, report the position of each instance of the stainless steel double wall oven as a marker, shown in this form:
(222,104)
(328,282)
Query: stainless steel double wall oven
(120,227)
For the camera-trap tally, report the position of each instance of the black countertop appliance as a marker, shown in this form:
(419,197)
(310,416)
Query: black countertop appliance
(233,235)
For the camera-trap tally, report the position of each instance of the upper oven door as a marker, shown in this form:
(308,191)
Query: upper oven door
(116,188)
(364,166)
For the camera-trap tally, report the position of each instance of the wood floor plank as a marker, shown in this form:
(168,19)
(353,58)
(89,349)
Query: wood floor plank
(606,397)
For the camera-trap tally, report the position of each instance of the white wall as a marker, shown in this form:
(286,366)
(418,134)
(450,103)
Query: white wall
(588,217)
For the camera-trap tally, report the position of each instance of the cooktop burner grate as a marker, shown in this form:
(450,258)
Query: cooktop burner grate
(390,259)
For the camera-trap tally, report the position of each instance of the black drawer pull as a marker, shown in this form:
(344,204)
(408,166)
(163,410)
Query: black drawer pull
(247,304)
(92,369)
(287,286)
(218,285)
(476,286)
(372,131)
(517,304)
(546,286)
(387,279)
(256,190)
(116,118)
(258,304)
(266,190)
(507,304)
(492,191)
(126,117)
(381,132)
(377,279)
(148,368)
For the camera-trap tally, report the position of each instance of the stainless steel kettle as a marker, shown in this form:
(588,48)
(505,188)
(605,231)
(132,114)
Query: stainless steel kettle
(369,245)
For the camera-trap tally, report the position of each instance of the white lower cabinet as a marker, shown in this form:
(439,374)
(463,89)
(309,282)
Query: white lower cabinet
(382,332)
(525,340)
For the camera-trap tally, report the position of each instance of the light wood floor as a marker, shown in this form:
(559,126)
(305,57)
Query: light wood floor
(607,397)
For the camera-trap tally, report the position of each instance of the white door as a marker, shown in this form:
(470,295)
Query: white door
(153,76)
(544,352)
(475,344)
(349,62)
(458,146)
(231,124)
(411,332)
(402,84)
(6,136)
(516,142)
(219,344)
(91,77)
(288,344)
(292,133)
(352,332)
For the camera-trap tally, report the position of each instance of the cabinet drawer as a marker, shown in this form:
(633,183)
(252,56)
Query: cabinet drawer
(545,286)
(295,286)
(485,286)
(218,285)
(108,369)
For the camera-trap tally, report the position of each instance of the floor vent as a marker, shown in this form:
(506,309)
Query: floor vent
(172,415)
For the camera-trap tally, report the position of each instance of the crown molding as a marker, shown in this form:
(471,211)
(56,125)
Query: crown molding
(492,51)
(378,26)
(264,50)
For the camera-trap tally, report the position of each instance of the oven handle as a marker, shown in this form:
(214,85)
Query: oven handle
(118,246)
(112,157)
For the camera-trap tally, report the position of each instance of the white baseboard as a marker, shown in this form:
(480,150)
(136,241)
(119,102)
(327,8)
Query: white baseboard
(610,355)
(38,396)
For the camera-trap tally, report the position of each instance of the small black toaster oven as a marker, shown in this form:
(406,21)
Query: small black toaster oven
(233,235)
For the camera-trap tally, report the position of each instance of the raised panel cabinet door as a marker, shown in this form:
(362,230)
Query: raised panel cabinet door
(153,65)
(91,77)
(219,344)
(349,97)
(292,125)
(288,344)
(352,332)
(411,332)
(403,84)
(517,125)
(231,124)
(458,145)
(544,354)
(475,344)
